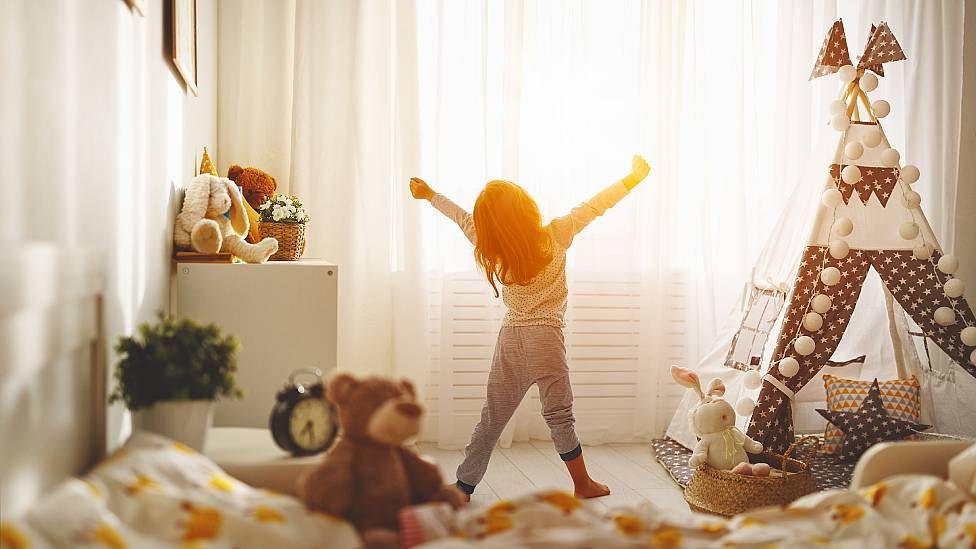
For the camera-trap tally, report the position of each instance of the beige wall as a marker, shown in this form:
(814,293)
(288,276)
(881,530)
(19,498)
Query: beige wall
(97,136)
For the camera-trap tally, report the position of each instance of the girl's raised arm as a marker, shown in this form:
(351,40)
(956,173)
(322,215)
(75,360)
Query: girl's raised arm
(566,227)
(422,191)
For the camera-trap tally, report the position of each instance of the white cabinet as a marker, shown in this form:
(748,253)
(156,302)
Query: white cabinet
(283,313)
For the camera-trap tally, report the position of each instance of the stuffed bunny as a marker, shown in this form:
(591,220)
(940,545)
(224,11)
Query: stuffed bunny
(213,220)
(720,444)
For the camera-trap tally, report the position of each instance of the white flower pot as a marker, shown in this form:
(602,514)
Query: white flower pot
(184,421)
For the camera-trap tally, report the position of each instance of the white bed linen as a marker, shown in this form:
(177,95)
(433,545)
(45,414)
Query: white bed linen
(154,492)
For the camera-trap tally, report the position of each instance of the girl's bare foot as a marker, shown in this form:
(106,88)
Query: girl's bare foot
(585,486)
(592,489)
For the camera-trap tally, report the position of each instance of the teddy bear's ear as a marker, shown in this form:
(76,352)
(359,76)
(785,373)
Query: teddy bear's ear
(234,172)
(339,387)
(407,386)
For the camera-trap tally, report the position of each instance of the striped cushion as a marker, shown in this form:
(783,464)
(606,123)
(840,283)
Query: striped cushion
(900,396)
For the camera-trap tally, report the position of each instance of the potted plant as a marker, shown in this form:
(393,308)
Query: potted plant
(172,372)
(284,218)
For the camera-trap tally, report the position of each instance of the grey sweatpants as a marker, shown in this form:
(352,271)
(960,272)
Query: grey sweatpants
(524,355)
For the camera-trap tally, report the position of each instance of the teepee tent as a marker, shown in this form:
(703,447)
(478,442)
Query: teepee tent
(853,279)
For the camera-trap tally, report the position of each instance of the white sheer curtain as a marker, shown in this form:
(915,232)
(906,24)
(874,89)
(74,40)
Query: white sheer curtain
(557,95)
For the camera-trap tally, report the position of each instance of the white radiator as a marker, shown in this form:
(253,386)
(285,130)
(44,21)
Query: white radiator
(611,382)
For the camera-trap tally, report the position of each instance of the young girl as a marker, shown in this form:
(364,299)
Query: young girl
(514,248)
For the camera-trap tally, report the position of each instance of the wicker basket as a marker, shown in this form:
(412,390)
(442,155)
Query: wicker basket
(725,493)
(290,237)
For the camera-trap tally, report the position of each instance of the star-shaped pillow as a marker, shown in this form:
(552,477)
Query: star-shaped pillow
(869,425)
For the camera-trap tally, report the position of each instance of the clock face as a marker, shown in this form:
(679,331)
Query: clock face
(310,424)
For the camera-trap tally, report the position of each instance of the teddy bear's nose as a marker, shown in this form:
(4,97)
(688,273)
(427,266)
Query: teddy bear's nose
(409,409)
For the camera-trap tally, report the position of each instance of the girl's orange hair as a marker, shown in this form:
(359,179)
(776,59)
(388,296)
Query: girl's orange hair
(512,246)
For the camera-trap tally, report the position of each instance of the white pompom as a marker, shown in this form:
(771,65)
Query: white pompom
(837,107)
(847,74)
(890,157)
(789,366)
(944,316)
(948,264)
(843,226)
(954,288)
(908,230)
(832,198)
(745,406)
(850,174)
(868,82)
(804,345)
(922,251)
(820,303)
(840,122)
(830,276)
(880,108)
(839,249)
(872,138)
(853,150)
(968,336)
(911,199)
(812,322)
(752,380)
(972,357)
(909,174)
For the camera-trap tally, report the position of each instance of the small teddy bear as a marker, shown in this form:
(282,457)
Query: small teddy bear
(721,444)
(368,475)
(257,185)
(213,220)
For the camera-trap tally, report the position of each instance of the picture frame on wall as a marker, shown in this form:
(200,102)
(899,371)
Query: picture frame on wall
(184,40)
(138,6)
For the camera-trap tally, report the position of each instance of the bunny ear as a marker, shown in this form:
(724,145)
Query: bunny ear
(687,378)
(715,388)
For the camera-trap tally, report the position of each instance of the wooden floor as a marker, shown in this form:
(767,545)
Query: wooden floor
(628,469)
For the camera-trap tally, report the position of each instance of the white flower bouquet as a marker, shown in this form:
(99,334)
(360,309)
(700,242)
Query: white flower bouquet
(282,208)
(283,217)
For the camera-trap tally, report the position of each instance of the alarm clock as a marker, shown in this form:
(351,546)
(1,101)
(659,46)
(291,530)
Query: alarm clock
(303,422)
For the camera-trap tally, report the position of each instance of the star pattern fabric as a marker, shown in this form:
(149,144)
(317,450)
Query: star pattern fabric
(869,425)
(882,47)
(834,53)
(877,68)
(915,283)
(878,181)
(917,286)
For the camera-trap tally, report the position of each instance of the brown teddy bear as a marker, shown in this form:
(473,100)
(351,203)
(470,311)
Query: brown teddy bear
(256,185)
(368,475)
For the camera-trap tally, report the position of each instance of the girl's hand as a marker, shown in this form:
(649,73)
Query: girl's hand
(639,170)
(420,189)
(639,167)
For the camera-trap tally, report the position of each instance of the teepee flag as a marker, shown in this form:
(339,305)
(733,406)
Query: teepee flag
(881,48)
(833,54)
(878,68)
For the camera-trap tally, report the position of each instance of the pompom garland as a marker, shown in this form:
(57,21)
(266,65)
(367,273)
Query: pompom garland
(789,367)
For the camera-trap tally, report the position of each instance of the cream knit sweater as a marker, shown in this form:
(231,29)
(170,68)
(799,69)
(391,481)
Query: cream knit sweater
(541,302)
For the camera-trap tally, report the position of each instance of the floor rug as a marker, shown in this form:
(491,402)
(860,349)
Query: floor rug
(827,471)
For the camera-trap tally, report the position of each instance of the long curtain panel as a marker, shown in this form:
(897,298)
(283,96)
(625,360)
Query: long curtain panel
(557,96)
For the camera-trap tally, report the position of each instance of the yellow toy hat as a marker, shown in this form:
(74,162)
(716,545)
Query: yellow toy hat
(206,165)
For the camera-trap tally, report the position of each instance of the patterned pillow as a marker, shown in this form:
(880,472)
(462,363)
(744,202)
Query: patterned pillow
(869,425)
(900,397)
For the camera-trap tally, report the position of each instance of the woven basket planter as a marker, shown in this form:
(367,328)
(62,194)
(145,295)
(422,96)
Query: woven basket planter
(725,493)
(290,237)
